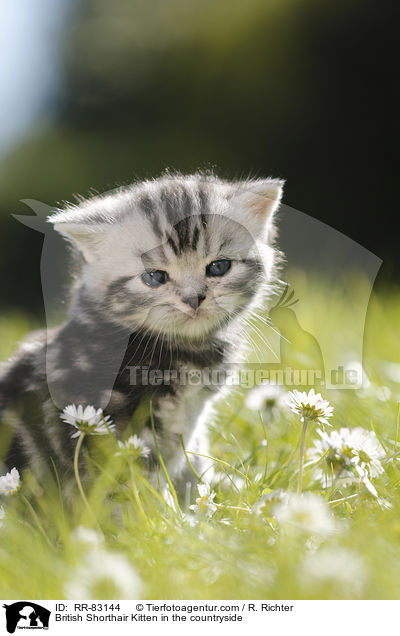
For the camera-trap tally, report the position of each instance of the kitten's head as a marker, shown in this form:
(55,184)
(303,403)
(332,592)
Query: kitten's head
(178,255)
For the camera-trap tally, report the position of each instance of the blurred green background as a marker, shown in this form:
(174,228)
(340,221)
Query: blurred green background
(95,94)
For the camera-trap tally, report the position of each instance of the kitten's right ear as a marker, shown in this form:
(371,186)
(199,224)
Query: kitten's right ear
(85,237)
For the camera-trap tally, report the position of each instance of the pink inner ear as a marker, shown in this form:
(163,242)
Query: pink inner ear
(261,205)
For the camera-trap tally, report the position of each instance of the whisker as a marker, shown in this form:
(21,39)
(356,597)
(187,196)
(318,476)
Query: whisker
(263,339)
(269,324)
(137,348)
(161,348)
(154,347)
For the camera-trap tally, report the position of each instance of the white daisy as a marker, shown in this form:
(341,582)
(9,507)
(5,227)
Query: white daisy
(267,501)
(348,453)
(307,513)
(383,393)
(337,461)
(87,536)
(205,503)
(310,406)
(375,391)
(336,566)
(2,515)
(263,396)
(104,575)
(134,446)
(87,420)
(392,371)
(191,520)
(367,453)
(10,483)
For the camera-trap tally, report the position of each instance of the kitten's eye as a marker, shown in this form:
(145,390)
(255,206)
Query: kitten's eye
(218,268)
(155,279)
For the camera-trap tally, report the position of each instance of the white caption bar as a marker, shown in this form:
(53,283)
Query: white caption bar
(145,617)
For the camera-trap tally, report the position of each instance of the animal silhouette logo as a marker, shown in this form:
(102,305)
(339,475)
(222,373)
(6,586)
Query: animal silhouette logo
(299,348)
(26,615)
(312,249)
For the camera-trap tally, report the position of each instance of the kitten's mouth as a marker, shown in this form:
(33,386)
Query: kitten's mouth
(196,314)
(189,324)
(200,323)
(190,314)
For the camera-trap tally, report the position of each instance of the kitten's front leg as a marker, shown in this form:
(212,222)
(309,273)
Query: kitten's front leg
(186,414)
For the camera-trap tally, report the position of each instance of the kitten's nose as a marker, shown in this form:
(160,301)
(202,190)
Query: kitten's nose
(194,301)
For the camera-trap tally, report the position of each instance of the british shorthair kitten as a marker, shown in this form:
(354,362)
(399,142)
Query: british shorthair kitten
(168,268)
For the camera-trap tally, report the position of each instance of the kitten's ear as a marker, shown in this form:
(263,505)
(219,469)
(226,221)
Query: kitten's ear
(255,202)
(86,237)
(262,197)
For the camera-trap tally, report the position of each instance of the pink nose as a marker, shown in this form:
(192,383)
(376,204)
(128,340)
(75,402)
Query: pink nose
(194,301)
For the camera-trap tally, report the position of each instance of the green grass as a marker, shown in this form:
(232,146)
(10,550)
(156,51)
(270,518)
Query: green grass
(246,549)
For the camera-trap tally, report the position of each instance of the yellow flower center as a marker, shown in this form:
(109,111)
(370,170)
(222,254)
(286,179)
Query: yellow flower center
(203,503)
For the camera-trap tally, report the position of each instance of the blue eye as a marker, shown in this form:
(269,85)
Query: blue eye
(155,279)
(218,268)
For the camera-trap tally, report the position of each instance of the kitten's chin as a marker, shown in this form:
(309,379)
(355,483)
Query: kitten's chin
(179,326)
(199,327)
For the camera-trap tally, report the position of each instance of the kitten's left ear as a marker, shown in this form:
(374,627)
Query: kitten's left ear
(255,202)
(262,197)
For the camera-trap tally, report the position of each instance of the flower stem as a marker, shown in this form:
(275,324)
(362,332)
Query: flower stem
(36,520)
(301,458)
(77,476)
(137,497)
(266,447)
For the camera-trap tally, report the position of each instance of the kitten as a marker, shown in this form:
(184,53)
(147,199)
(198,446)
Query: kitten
(168,267)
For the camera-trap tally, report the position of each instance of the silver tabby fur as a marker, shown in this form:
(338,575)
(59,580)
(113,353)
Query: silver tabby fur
(176,224)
